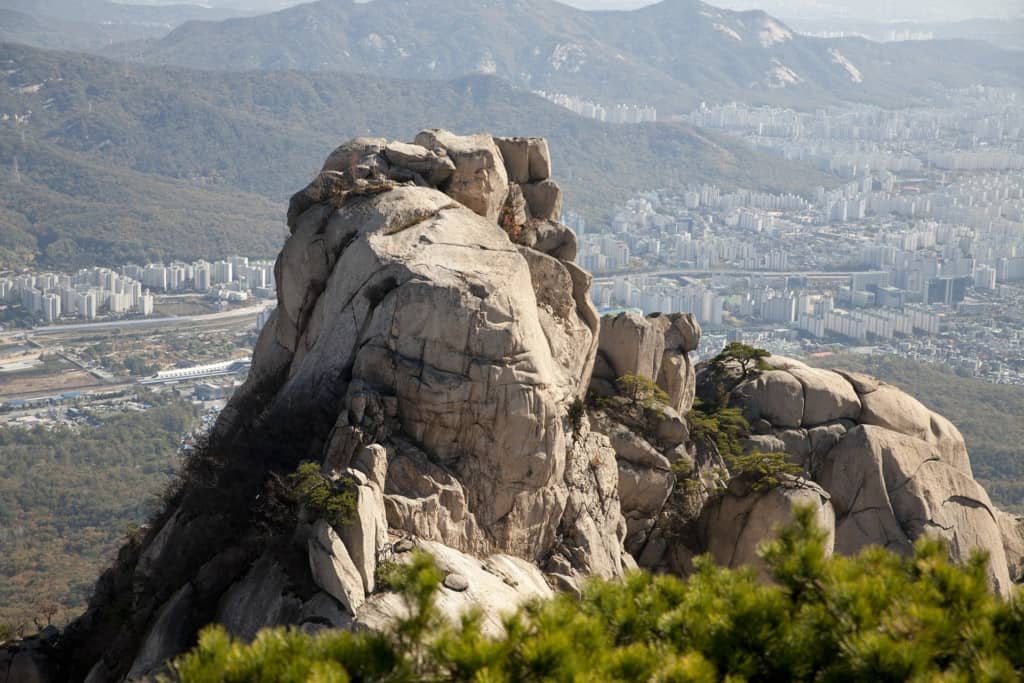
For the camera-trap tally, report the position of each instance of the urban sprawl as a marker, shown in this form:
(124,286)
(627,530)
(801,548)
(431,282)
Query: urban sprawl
(917,248)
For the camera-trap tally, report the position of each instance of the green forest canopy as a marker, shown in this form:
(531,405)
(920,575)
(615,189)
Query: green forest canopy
(873,617)
(67,498)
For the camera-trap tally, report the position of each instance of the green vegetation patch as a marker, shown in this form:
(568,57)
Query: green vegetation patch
(873,617)
(723,427)
(67,497)
(333,501)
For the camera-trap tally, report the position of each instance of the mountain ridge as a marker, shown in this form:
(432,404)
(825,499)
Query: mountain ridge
(94,24)
(214,128)
(673,54)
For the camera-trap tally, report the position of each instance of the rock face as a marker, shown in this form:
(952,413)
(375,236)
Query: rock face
(895,471)
(431,351)
(496,585)
(332,567)
(656,347)
(418,302)
(430,337)
(733,525)
(921,493)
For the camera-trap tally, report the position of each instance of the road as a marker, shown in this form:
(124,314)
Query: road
(57,394)
(149,322)
(813,275)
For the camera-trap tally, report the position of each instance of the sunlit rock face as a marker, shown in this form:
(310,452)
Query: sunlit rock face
(435,355)
(894,470)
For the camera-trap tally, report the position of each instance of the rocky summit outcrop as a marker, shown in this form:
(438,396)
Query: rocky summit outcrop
(435,367)
(431,334)
(893,470)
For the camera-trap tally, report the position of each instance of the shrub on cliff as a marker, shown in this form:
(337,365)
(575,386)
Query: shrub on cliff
(876,616)
(721,427)
(749,359)
(642,391)
(765,470)
(319,496)
(736,363)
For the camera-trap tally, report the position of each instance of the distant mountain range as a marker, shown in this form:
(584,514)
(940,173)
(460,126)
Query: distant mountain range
(196,148)
(95,24)
(131,162)
(1004,33)
(673,54)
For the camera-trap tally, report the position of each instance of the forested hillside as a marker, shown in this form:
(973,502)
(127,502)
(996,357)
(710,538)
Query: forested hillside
(68,210)
(69,497)
(128,132)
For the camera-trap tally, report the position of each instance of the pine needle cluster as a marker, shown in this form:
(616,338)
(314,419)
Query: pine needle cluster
(873,617)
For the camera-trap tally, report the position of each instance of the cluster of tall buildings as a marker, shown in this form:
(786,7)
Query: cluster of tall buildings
(918,247)
(233,274)
(815,314)
(661,226)
(84,294)
(975,115)
(653,294)
(94,291)
(979,129)
(985,202)
(918,254)
(618,113)
(821,318)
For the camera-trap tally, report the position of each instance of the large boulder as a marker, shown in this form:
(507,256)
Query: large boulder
(632,345)
(827,396)
(527,160)
(424,499)
(656,347)
(592,529)
(332,567)
(736,522)
(432,168)
(676,374)
(1012,529)
(544,199)
(366,533)
(893,409)
(888,489)
(350,154)
(774,395)
(479,181)
(495,585)
(682,331)
(896,471)
(554,238)
(540,160)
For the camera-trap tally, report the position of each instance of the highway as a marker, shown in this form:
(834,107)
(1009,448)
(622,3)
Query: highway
(148,322)
(57,394)
(691,272)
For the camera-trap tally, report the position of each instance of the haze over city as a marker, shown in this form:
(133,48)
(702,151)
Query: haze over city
(497,340)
